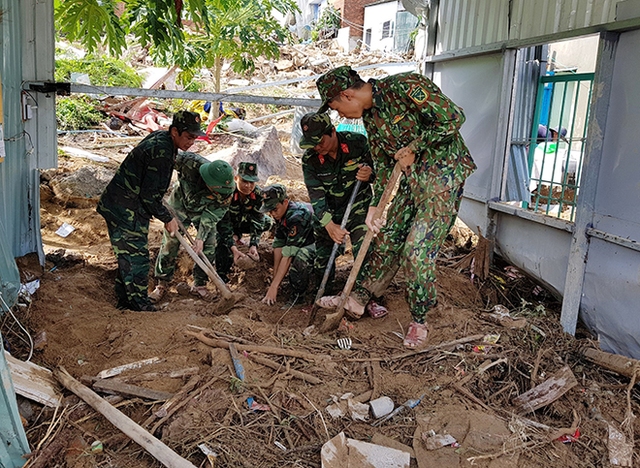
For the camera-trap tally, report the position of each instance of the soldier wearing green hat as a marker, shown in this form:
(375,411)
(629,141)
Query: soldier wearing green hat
(331,164)
(293,244)
(134,196)
(243,217)
(201,197)
(409,121)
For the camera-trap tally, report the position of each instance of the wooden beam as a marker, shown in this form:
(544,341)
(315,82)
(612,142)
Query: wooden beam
(34,382)
(121,388)
(547,392)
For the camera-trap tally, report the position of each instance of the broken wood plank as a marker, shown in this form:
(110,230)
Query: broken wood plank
(547,392)
(120,369)
(276,366)
(121,388)
(34,382)
(174,400)
(614,362)
(155,447)
(258,349)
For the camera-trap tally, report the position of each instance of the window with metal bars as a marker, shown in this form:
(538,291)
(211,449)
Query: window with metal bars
(557,143)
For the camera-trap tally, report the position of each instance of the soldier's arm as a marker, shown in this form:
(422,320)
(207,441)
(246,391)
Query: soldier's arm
(317,194)
(154,184)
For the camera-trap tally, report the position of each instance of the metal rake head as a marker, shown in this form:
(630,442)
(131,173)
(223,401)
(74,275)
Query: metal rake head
(344,343)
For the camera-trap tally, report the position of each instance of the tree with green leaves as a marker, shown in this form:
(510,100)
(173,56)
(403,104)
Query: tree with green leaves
(192,35)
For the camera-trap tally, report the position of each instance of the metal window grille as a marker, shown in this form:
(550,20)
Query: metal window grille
(555,158)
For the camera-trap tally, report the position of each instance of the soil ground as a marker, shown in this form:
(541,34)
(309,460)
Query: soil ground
(85,334)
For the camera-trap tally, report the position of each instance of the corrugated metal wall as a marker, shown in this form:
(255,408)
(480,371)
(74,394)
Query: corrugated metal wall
(472,23)
(27,55)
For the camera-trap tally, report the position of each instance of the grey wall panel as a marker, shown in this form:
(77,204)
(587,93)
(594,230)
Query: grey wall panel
(610,300)
(473,214)
(38,65)
(475,85)
(540,250)
(618,193)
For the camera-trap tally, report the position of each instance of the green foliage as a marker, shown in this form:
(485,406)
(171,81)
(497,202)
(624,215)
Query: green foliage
(189,33)
(102,71)
(329,21)
(77,113)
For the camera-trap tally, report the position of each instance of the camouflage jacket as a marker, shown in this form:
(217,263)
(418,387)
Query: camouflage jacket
(330,182)
(409,109)
(295,229)
(192,196)
(143,177)
(244,209)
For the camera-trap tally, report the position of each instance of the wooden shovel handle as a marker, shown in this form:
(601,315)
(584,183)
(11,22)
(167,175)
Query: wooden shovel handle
(362,253)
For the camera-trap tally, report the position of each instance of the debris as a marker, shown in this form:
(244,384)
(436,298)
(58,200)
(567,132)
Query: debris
(347,404)
(155,447)
(568,438)
(501,316)
(120,369)
(385,441)
(255,406)
(121,388)
(83,154)
(411,403)
(341,452)
(344,343)
(34,382)
(547,392)
(209,453)
(620,451)
(237,364)
(382,406)
(435,441)
(274,365)
(65,230)
(96,446)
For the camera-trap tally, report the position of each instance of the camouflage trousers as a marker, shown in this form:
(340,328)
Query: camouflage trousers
(224,256)
(301,269)
(129,236)
(166,262)
(324,244)
(418,222)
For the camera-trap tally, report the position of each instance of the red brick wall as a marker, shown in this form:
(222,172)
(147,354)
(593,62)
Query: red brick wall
(352,12)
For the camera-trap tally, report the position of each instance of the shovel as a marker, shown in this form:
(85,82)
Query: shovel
(228,299)
(327,270)
(332,321)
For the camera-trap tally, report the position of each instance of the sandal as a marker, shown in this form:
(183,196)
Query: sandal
(376,311)
(416,335)
(203,293)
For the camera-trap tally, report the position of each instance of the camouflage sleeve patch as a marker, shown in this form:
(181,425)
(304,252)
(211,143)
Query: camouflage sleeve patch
(418,94)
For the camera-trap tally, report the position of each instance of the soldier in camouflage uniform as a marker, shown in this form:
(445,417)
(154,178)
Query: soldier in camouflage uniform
(408,120)
(293,245)
(331,164)
(201,197)
(133,196)
(244,216)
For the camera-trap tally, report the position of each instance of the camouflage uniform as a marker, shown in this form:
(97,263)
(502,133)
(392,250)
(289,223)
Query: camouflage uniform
(194,203)
(294,234)
(243,217)
(410,110)
(132,197)
(330,183)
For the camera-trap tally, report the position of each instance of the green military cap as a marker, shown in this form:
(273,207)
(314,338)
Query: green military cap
(187,121)
(314,125)
(248,171)
(218,175)
(271,196)
(333,83)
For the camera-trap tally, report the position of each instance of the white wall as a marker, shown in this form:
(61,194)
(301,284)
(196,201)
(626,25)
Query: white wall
(374,17)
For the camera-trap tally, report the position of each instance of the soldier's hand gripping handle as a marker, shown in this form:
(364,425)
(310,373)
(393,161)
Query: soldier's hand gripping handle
(172,227)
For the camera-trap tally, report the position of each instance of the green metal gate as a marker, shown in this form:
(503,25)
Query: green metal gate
(556,150)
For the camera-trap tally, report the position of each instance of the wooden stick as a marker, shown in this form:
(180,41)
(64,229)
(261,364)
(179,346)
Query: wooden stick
(276,366)
(331,321)
(258,349)
(105,374)
(429,349)
(164,409)
(156,448)
(619,364)
(121,388)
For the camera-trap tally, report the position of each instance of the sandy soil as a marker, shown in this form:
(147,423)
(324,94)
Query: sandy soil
(86,334)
